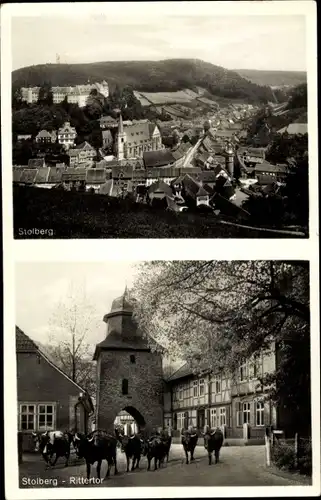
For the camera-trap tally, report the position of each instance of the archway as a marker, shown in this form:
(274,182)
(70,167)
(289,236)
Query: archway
(130,420)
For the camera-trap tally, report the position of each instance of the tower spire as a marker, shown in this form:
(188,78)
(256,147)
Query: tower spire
(120,125)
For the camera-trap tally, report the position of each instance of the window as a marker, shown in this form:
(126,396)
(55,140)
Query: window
(33,417)
(217,385)
(45,417)
(124,386)
(27,417)
(259,413)
(180,421)
(195,388)
(213,418)
(256,368)
(132,359)
(201,387)
(243,372)
(223,416)
(246,413)
(180,393)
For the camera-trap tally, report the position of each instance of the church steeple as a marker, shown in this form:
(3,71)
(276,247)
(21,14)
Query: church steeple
(121,139)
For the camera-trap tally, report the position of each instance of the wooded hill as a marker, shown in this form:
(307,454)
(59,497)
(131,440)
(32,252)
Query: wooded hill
(273,78)
(167,75)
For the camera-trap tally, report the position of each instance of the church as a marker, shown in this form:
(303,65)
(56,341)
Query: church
(133,138)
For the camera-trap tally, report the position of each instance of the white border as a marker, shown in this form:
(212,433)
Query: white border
(73,250)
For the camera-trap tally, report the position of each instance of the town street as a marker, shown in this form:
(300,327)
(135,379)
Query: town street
(239,466)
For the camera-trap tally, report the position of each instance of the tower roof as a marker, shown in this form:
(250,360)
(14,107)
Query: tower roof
(122,304)
(122,331)
(120,125)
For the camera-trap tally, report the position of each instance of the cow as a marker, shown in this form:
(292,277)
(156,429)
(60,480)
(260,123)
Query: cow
(96,447)
(53,443)
(154,448)
(189,441)
(132,446)
(166,439)
(213,440)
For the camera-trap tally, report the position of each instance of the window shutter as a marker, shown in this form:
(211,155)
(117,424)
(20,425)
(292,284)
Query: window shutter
(175,421)
(227,416)
(186,420)
(208,417)
(255,417)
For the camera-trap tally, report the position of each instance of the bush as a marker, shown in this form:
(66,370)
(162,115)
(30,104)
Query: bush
(305,457)
(283,456)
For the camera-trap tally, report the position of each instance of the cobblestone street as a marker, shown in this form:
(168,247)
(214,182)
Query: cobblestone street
(239,466)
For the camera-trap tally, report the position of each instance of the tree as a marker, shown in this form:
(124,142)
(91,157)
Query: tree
(70,326)
(215,314)
(45,94)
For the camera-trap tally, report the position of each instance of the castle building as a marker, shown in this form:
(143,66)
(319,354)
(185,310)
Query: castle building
(129,374)
(77,94)
(136,137)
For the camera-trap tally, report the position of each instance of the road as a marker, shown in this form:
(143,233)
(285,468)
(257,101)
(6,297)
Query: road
(239,466)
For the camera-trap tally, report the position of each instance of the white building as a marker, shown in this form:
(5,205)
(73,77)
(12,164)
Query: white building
(77,94)
(67,135)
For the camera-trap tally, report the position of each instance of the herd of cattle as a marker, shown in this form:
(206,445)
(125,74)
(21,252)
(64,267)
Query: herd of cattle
(100,445)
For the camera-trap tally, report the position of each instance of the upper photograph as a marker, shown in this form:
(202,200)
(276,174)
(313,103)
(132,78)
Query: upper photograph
(146,123)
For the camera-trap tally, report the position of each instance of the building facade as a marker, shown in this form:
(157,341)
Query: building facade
(129,374)
(47,398)
(77,94)
(46,137)
(67,135)
(135,138)
(237,405)
(82,154)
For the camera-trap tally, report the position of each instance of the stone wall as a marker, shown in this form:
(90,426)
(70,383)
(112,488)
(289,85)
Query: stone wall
(145,388)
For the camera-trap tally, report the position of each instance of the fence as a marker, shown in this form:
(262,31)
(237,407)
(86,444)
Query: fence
(289,454)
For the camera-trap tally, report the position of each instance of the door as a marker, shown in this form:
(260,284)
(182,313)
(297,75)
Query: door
(200,419)
(80,418)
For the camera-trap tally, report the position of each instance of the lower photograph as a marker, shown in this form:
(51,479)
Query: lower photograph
(163,373)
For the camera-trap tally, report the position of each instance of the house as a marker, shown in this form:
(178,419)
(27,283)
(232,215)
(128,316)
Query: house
(159,190)
(277,172)
(95,178)
(67,135)
(235,404)
(46,137)
(107,122)
(251,156)
(74,178)
(23,137)
(81,154)
(47,398)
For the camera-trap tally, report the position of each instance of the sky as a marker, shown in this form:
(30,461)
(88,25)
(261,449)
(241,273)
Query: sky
(39,287)
(264,42)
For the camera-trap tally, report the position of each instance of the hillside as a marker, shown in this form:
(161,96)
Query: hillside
(149,76)
(85,215)
(273,78)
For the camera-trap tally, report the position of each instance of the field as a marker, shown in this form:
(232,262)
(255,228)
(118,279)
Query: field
(82,215)
(157,98)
